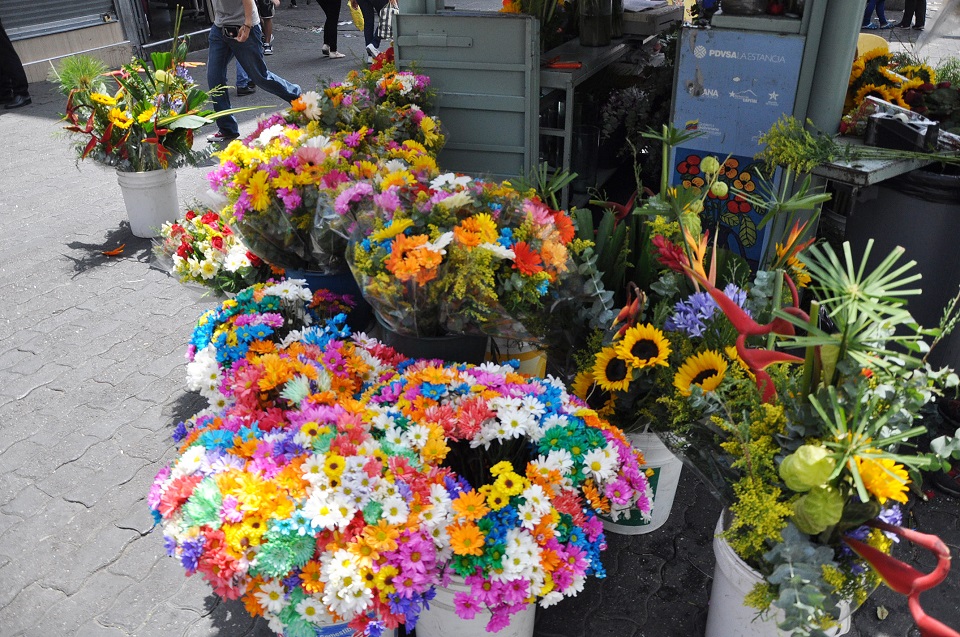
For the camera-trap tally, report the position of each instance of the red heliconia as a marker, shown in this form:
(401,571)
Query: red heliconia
(907,580)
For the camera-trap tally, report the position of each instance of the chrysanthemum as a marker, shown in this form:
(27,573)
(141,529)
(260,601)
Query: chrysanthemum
(470,505)
(643,346)
(705,369)
(466,539)
(610,371)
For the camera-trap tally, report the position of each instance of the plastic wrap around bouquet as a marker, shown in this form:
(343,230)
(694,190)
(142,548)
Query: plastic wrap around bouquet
(281,179)
(457,255)
(325,489)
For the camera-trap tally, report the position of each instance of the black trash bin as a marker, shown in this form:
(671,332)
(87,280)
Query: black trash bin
(920,211)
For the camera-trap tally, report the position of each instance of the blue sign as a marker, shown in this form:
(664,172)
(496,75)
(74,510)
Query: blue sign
(732,86)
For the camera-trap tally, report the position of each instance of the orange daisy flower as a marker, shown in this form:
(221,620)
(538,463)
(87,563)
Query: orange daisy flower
(471,505)
(466,539)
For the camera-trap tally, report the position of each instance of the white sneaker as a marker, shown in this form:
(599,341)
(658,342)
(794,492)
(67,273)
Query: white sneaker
(372,52)
(325,51)
(268,49)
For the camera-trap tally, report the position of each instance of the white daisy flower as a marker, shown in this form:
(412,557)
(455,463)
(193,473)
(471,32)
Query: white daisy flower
(312,610)
(271,596)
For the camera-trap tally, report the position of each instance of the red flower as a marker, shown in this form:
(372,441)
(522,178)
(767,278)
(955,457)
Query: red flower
(217,243)
(254,259)
(526,260)
(669,254)
(210,218)
(190,215)
(564,226)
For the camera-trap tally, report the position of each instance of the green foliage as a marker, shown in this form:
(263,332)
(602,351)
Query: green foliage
(78,73)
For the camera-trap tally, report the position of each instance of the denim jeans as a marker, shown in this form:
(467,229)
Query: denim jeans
(249,54)
(242,78)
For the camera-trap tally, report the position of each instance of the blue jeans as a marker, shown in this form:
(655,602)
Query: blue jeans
(242,78)
(249,54)
(868,14)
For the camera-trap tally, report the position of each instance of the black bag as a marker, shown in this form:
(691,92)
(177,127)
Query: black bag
(385,24)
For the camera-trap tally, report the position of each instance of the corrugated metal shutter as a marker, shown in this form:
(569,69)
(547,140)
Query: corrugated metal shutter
(30,18)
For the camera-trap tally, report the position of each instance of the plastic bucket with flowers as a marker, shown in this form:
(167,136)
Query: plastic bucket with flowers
(733,580)
(441,619)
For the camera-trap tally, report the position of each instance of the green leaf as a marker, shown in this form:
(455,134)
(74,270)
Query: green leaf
(748,231)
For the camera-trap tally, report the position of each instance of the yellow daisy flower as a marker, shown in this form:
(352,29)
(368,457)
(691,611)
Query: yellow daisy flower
(883,478)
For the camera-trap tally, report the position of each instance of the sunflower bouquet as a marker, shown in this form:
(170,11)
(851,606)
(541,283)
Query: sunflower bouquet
(457,255)
(811,453)
(203,249)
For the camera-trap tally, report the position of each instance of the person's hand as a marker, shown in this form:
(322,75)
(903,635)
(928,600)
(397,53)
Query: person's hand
(276,3)
(243,34)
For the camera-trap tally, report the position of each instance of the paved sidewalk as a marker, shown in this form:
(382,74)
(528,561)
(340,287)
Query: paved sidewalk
(92,384)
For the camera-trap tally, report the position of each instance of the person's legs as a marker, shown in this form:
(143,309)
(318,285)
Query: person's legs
(331,9)
(881,14)
(369,24)
(868,13)
(243,80)
(250,55)
(12,74)
(920,11)
(218,56)
(908,7)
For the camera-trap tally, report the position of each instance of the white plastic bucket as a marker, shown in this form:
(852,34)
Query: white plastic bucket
(533,360)
(441,619)
(151,200)
(663,474)
(733,579)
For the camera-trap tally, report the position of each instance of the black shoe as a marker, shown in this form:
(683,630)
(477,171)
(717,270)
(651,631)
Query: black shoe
(918,27)
(902,25)
(249,89)
(18,101)
(6,99)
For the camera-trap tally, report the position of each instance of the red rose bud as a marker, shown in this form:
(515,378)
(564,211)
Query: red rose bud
(217,243)
(210,218)
(254,259)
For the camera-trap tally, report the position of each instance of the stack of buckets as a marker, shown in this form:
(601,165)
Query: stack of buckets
(663,474)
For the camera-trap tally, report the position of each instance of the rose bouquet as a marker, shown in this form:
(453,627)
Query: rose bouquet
(203,249)
(457,255)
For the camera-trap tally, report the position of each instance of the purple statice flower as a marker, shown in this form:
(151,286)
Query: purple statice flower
(374,628)
(170,545)
(892,515)
(292,581)
(242,206)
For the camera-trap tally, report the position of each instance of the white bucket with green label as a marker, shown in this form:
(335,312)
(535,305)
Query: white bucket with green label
(663,474)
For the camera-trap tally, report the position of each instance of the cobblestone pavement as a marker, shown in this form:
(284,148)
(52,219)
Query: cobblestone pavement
(92,384)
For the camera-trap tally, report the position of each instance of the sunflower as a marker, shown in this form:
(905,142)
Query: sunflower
(919,71)
(610,371)
(643,346)
(705,369)
(872,90)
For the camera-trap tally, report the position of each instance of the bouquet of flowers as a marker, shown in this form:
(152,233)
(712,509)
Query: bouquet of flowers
(203,249)
(139,118)
(813,457)
(531,469)
(285,499)
(282,179)
(321,489)
(457,255)
(260,317)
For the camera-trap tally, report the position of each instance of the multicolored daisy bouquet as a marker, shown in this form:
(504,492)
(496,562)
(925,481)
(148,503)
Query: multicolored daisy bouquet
(812,453)
(203,249)
(531,465)
(457,255)
(339,482)
(281,180)
(252,323)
